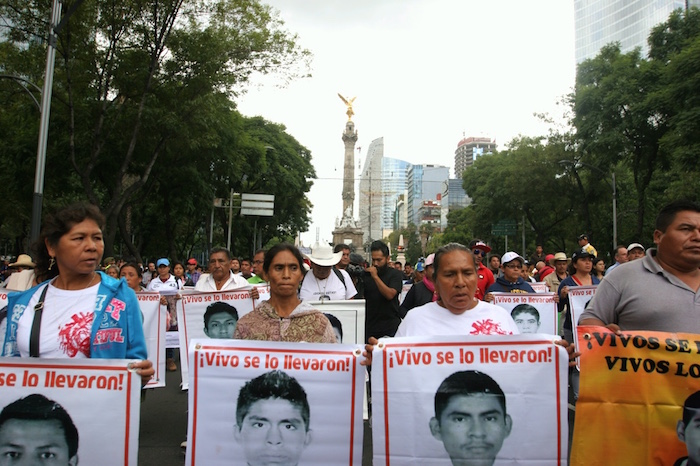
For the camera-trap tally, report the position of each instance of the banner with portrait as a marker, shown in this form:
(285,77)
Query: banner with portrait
(579,296)
(85,408)
(351,318)
(532,313)
(209,315)
(155,321)
(257,402)
(639,398)
(466,398)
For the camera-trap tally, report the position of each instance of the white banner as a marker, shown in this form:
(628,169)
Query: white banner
(404,291)
(3,314)
(155,321)
(532,313)
(350,313)
(224,309)
(257,402)
(500,398)
(579,296)
(540,287)
(98,409)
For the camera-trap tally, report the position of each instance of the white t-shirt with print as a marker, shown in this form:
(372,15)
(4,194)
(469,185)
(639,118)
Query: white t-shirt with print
(312,289)
(170,286)
(433,319)
(66,323)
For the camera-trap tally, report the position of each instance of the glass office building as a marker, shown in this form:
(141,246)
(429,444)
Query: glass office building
(629,22)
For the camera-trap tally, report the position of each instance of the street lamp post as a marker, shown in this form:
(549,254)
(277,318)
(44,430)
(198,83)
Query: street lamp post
(613,186)
(54,28)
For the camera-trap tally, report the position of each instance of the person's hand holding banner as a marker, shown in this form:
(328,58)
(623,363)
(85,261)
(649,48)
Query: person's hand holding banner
(469,400)
(259,402)
(87,410)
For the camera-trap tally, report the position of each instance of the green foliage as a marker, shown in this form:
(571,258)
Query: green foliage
(143,121)
(633,117)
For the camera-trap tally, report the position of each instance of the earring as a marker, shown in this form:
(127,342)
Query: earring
(52,261)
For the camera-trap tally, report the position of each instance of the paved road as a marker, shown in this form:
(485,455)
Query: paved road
(164,426)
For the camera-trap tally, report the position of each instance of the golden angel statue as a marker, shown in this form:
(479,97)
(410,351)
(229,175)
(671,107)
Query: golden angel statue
(348,102)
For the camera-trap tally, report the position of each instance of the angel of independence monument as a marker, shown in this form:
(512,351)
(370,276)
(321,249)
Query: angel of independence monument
(346,230)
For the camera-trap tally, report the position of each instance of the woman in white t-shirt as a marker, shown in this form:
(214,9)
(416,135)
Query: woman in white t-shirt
(457,311)
(56,318)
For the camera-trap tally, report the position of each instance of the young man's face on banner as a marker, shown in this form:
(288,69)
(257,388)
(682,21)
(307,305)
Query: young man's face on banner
(30,442)
(472,428)
(273,433)
(690,434)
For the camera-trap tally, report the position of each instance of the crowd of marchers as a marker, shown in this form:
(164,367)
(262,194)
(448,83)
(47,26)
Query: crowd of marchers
(451,290)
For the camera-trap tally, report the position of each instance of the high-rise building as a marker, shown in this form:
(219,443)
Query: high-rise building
(424,184)
(382,181)
(468,149)
(393,186)
(453,198)
(629,22)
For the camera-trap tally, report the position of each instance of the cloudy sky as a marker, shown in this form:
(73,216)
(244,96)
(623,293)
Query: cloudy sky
(425,73)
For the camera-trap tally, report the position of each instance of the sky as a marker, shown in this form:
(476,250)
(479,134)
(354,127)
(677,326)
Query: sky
(425,74)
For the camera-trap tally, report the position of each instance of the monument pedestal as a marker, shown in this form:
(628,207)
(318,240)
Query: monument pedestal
(348,235)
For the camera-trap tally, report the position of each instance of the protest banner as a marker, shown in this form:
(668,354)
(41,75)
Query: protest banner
(263,292)
(633,388)
(257,402)
(209,315)
(579,296)
(3,313)
(155,318)
(98,398)
(404,291)
(540,287)
(532,313)
(172,339)
(524,422)
(350,313)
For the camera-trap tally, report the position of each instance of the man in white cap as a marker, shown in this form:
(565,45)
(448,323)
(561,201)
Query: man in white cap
(635,251)
(324,282)
(511,281)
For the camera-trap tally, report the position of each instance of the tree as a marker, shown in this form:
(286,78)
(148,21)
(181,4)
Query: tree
(138,81)
(618,118)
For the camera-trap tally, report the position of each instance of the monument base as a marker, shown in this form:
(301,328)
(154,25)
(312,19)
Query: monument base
(350,236)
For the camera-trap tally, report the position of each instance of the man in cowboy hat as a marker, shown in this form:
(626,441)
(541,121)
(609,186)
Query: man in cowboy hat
(560,263)
(325,282)
(22,277)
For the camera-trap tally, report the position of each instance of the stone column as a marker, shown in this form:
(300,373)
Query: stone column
(349,139)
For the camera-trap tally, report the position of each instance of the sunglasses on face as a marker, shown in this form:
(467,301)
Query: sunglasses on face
(479,252)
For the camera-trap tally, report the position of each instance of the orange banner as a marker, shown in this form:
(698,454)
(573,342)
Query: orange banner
(633,387)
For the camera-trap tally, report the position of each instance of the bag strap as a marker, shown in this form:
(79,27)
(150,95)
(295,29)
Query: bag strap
(340,275)
(36,325)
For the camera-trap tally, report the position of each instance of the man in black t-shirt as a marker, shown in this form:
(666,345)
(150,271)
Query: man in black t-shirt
(382,288)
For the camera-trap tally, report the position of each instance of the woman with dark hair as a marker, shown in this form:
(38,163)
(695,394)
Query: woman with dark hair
(77,312)
(598,270)
(284,317)
(133,275)
(179,273)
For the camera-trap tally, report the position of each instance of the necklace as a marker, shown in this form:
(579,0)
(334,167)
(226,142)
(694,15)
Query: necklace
(322,294)
(94,275)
